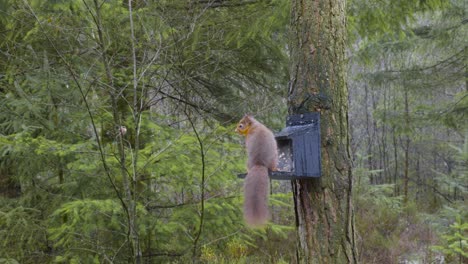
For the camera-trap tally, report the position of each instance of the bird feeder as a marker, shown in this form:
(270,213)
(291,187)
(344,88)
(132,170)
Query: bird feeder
(298,148)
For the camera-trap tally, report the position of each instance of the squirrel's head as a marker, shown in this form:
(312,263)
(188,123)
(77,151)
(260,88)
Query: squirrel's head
(244,125)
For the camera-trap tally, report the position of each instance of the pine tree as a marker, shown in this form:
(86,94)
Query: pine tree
(324,207)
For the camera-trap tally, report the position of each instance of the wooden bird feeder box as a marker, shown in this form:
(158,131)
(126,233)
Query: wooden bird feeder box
(298,148)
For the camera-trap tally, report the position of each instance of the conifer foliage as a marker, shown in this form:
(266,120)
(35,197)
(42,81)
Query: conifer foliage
(117,141)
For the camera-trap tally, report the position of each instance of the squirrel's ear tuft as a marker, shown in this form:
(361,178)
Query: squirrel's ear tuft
(248,117)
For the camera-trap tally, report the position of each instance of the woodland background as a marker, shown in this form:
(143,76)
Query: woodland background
(178,75)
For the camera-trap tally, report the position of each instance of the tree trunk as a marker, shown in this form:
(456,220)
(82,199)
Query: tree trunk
(324,211)
(396,190)
(375,138)
(407,146)
(383,141)
(369,136)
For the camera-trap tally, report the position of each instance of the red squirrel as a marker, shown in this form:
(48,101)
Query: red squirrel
(262,154)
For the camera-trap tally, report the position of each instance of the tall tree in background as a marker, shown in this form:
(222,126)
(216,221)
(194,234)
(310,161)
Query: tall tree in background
(324,208)
(407,127)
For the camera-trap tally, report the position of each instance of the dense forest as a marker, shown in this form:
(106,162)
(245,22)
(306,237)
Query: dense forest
(117,121)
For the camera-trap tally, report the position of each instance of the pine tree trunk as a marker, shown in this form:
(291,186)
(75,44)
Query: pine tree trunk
(369,136)
(324,211)
(396,189)
(383,141)
(407,146)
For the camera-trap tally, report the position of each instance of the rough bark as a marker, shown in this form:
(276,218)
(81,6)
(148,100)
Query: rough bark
(324,211)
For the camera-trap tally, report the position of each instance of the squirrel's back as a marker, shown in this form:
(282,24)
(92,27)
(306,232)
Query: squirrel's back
(262,155)
(261,147)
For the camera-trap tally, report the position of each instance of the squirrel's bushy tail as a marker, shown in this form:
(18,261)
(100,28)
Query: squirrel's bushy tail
(256,189)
